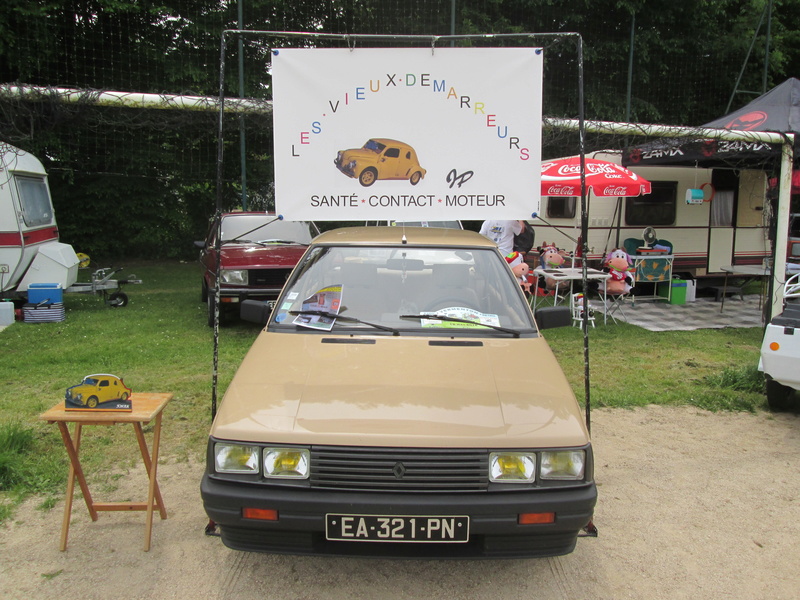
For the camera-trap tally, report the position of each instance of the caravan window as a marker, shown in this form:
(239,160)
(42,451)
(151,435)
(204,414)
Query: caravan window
(34,201)
(561,207)
(656,208)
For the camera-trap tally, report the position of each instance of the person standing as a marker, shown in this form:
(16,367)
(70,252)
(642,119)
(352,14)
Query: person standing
(502,233)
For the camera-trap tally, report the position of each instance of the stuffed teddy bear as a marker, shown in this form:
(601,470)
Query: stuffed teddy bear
(520,268)
(619,265)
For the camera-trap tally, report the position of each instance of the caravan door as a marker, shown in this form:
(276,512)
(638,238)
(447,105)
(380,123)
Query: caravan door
(720,251)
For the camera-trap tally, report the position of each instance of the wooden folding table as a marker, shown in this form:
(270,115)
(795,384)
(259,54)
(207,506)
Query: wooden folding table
(145,408)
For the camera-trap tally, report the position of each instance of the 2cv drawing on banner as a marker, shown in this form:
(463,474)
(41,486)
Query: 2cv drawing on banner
(413,134)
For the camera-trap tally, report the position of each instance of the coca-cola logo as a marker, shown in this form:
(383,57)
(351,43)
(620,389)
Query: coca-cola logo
(748,121)
(591,168)
(618,190)
(561,190)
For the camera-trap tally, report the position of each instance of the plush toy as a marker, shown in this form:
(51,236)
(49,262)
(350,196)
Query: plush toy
(619,265)
(550,257)
(520,268)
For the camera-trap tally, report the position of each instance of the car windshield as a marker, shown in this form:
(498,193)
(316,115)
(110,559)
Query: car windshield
(403,289)
(266,229)
(376,147)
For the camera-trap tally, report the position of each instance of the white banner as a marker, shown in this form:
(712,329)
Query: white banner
(407,134)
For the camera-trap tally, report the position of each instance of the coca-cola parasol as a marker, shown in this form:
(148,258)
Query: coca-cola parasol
(562,177)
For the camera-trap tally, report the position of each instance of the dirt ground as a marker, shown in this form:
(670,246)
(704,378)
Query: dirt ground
(692,505)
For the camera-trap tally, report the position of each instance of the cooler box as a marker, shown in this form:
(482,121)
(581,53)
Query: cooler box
(49,293)
(678,295)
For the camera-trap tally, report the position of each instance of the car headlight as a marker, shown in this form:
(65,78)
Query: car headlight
(563,464)
(235,458)
(512,467)
(234,277)
(286,463)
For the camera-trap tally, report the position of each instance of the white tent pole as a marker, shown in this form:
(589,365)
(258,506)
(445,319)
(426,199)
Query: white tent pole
(782,227)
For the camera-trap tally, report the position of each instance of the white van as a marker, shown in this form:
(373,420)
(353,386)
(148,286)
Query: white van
(29,248)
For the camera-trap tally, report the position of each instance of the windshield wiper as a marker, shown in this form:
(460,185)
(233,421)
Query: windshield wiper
(280,241)
(346,319)
(513,332)
(262,242)
(236,241)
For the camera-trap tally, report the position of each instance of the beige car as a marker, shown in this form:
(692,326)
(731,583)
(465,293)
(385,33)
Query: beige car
(401,402)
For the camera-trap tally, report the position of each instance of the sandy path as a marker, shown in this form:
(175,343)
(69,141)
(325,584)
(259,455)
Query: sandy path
(692,505)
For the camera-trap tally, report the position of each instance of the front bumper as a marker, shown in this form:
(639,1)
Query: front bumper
(494,530)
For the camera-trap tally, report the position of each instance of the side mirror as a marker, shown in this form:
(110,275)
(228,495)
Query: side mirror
(200,245)
(255,311)
(548,317)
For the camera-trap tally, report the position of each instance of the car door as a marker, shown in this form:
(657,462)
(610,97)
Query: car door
(390,166)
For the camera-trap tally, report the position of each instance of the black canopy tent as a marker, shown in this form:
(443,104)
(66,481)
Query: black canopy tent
(777,111)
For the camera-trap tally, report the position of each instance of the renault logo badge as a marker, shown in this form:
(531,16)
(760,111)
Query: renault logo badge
(399,470)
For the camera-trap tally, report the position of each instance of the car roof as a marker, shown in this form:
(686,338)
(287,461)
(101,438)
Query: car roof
(414,236)
(389,141)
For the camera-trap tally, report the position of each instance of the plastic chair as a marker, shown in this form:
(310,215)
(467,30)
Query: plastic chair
(576,307)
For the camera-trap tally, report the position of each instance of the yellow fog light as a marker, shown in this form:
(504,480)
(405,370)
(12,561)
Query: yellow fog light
(235,458)
(286,462)
(512,467)
(563,464)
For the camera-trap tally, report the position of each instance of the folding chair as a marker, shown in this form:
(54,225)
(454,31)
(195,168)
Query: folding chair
(614,304)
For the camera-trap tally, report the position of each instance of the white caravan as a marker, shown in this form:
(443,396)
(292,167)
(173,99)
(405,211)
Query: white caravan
(29,248)
(711,217)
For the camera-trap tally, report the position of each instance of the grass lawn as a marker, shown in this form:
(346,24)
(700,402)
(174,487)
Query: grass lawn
(160,343)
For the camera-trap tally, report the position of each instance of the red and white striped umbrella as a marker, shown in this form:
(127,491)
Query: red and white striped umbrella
(562,177)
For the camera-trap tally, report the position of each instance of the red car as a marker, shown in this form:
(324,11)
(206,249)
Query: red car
(258,251)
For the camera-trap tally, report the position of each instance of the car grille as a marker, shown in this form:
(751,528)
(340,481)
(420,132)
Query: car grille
(268,277)
(399,469)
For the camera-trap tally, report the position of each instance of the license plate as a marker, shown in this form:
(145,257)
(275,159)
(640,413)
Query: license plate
(377,528)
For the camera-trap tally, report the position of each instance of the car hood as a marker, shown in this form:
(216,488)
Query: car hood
(400,391)
(357,153)
(254,256)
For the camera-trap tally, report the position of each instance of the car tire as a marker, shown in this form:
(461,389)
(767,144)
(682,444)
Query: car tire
(779,397)
(368,176)
(203,291)
(124,397)
(211,301)
(415,177)
(92,402)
